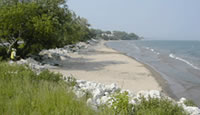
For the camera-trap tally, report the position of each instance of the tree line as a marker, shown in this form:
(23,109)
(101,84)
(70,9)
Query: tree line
(32,25)
(114,35)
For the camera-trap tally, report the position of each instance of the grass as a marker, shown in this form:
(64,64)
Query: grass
(156,106)
(190,103)
(24,92)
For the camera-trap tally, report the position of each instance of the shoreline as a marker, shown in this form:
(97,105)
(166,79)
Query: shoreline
(158,77)
(102,64)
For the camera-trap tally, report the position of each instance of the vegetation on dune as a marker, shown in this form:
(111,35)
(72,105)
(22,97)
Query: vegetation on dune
(157,106)
(143,106)
(190,103)
(24,92)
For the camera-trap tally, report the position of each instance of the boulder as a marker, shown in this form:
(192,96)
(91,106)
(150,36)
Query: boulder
(192,110)
(151,93)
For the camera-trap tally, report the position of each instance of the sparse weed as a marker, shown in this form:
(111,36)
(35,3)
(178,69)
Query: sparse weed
(189,103)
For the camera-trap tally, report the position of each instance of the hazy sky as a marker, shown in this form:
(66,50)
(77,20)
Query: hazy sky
(157,19)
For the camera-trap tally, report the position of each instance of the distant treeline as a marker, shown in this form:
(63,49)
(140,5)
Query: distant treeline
(32,25)
(114,35)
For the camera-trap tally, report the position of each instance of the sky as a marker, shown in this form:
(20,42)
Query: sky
(152,19)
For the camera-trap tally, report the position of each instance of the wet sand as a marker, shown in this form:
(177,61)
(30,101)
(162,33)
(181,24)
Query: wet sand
(105,65)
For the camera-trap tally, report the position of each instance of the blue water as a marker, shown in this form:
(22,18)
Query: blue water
(177,61)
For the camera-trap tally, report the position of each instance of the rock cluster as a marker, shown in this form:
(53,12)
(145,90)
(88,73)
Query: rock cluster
(33,64)
(53,57)
(190,109)
(102,94)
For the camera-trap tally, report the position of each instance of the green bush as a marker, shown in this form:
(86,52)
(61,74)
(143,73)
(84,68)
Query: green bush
(22,92)
(120,104)
(3,53)
(189,103)
(156,106)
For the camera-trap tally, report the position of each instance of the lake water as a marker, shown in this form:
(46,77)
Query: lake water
(177,61)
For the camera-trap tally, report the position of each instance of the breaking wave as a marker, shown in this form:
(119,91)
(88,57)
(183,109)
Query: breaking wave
(183,60)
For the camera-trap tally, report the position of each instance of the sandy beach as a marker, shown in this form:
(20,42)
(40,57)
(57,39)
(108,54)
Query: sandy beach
(105,65)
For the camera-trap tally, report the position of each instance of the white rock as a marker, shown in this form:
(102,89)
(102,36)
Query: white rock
(182,100)
(91,103)
(151,93)
(132,101)
(105,99)
(96,93)
(192,110)
(98,102)
(79,93)
(106,93)
(111,88)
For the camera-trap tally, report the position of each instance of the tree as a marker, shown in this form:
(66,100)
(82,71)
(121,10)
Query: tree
(28,23)
(39,24)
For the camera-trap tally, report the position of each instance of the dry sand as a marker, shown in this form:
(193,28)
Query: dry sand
(105,65)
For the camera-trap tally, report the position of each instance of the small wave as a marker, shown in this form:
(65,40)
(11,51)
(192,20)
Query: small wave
(183,60)
(151,49)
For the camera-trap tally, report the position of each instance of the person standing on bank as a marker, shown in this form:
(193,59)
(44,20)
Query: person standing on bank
(13,54)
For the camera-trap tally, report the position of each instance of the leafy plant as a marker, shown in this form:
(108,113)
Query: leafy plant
(189,103)
(71,81)
(157,106)
(120,103)
(38,25)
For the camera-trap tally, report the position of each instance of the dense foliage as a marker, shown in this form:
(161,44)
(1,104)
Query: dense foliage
(39,24)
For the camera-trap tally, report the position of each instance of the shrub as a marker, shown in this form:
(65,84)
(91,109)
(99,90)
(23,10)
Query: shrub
(189,103)
(71,81)
(120,104)
(3,53)
(156,106)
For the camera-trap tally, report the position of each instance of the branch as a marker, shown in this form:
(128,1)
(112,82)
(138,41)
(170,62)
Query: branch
(2,43)
(11,45)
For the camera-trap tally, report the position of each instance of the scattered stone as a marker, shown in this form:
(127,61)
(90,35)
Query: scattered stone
(151,93)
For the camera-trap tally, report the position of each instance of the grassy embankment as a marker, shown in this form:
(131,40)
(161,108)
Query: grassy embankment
(24,92)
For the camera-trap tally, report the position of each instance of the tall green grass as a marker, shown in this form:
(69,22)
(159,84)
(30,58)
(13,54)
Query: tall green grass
(22,92)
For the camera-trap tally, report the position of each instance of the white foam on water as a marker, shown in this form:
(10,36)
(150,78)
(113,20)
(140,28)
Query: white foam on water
(183,60)
(151,49)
